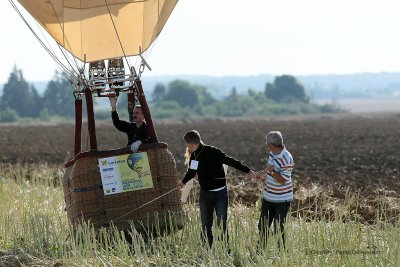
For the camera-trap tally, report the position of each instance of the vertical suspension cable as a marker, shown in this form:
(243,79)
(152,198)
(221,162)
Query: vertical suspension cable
(116,32)
(65,40)
(53,56)
(70,76)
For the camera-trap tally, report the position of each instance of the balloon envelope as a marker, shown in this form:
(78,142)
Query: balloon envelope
(88,28)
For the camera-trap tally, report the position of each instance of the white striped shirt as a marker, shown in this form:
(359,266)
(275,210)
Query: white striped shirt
(283,164)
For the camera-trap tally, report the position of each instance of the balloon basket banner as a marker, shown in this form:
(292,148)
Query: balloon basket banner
(158,208)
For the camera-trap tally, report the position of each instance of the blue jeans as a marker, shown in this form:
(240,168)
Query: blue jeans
(270,212)
(211,201)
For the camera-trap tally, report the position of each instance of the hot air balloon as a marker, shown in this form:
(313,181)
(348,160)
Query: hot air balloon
(96,39)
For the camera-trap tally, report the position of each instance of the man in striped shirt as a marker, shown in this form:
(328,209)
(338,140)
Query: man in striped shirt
(278,187)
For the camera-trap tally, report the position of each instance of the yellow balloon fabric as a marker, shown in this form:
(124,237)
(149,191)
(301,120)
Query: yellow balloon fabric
(86,29)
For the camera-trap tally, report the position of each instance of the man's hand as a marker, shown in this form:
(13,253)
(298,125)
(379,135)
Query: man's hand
(270,168)
(252,174)
(260,176)
(135,145)
(113,102)
(180,184)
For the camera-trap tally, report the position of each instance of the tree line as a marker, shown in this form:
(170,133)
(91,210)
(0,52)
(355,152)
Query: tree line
(285,95)
(20,99)
(177,99)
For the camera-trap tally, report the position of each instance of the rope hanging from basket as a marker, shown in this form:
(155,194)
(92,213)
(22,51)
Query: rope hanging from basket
(141,206)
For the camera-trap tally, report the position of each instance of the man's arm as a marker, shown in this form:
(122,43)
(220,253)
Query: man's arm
(113,103)
(277,176)
(225,159)
(270,170)
(190,174)
(121,125)
(261,174)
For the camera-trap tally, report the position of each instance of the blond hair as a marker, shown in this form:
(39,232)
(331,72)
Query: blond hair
(187,156)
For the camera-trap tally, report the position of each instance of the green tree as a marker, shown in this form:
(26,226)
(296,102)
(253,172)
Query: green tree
(44,115)
(8,115)
(204,96)
(58,98)
(233,96)
(20,96)
(158,93)
(285,88)
(183,93)
(252,93)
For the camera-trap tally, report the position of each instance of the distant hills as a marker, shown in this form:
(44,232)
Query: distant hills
(317,86)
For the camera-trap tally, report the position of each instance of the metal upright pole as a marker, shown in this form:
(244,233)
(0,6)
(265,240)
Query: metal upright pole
(146,112)
(78,126)
(131,105)
(91,121)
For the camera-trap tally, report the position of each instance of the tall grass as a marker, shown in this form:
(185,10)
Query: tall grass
(33,225)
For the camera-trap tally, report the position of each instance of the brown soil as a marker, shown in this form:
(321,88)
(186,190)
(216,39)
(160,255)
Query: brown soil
(334,155)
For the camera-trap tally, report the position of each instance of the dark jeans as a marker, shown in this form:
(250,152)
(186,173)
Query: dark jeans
(211,201)
(276,212)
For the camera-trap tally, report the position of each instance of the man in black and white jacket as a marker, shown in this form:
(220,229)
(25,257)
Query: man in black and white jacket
(207,162)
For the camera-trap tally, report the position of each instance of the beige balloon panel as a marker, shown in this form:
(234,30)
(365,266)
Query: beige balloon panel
(86,30)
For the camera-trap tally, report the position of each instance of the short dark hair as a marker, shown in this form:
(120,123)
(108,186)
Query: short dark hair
(192,137)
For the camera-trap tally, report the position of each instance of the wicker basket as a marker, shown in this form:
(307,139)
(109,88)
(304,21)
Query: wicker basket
(85,199)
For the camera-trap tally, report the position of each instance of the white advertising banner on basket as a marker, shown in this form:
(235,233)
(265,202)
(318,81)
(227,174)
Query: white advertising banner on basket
(125,173)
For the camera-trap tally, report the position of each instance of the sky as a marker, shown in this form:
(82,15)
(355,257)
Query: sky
(245,37)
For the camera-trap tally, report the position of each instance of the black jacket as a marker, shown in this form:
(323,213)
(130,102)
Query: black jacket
(134,133)
(210,170)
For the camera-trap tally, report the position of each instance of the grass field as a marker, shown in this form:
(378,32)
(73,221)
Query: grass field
(34,231)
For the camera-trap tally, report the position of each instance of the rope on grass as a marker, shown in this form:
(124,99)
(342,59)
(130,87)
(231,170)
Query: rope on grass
(145,204)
